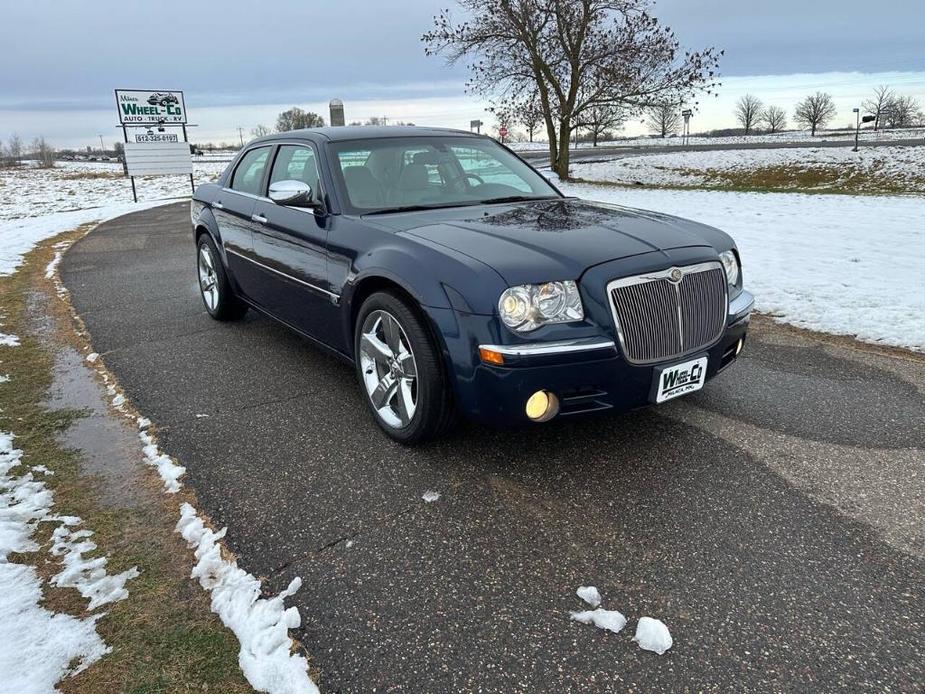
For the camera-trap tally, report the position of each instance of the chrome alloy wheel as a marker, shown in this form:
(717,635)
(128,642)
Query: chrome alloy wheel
(389,370)
(208,280)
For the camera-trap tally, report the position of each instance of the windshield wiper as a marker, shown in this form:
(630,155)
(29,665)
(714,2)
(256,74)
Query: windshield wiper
(516,198)
(419,208)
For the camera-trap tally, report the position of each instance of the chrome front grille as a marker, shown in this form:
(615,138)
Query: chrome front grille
(663,315)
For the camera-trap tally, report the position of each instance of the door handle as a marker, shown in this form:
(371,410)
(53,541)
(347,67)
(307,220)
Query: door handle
(259,218)
(218,205)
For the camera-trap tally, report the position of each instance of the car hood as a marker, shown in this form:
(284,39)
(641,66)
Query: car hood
(553,239)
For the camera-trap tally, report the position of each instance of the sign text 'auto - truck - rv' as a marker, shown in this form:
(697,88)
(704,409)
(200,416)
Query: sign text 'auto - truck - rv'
(138,107)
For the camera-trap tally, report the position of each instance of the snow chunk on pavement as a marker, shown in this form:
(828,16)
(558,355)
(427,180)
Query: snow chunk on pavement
(652,635)
(93,356)
(590,595)
(430,497)
(169,471)
(9,340)
(261,625)
(611,620)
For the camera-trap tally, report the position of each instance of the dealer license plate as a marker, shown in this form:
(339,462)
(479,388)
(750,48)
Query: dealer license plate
(674,381)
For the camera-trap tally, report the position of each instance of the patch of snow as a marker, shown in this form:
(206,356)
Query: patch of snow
(839,264)
(118,401)
(168,470)
(88,576)
(53,265)
(611,620)
(9,340)
(143,422)
(430,496)
(590,595)
(5,378)
(696,169)
(38,647)
(261,625)
(201,416)
(44,470)
(92,357)
(652,635)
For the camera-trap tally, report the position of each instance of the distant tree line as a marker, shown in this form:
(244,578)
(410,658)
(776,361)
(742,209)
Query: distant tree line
(14,152)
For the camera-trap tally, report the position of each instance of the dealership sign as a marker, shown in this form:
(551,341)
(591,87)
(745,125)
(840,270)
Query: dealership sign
(138,107)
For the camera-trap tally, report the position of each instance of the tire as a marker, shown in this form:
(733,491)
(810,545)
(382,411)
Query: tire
(400,369)
(214,288)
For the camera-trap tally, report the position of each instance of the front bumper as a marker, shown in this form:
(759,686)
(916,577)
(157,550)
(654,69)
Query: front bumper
(586,375)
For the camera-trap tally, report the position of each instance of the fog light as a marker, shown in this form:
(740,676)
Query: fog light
(542,406)
(739,346)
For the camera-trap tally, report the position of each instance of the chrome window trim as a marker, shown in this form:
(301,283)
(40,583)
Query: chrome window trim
(662,275)
(334,297)
(534,349)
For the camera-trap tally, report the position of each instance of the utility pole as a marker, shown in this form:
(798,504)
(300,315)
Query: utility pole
(857,129)
(241,135)
(102,148)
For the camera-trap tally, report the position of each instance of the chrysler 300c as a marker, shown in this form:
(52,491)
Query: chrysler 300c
(458,279)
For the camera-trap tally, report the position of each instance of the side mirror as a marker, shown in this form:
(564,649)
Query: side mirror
(292,194)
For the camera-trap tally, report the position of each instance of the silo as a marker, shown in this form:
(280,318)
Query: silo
(337,112)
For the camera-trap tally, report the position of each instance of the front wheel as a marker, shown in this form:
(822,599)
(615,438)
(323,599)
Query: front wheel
(400,370)
(214,287)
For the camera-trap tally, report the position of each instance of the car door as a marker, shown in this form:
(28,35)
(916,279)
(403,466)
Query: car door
(290,249)
(234,210)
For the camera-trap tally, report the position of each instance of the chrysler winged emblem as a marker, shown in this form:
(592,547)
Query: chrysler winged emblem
(676,275)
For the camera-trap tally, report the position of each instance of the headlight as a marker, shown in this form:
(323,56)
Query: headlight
(731,265)
(529,306)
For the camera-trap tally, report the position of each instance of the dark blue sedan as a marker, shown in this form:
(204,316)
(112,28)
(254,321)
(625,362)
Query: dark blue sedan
(457,279)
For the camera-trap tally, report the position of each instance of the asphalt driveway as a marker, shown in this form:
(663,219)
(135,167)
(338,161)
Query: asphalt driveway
(773,521)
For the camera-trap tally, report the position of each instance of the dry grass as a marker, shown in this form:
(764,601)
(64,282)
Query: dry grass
(91,175)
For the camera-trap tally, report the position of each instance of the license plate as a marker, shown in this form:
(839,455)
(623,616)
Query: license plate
(674,381)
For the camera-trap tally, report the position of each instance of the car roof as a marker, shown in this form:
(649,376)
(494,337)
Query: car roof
(365,132)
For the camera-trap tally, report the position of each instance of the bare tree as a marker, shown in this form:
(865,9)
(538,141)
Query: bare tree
(663,119)
(774,119)
(14,149)
(531,115)
(901,112)
(748,111)
(44,153)
(815,111)
(576,54)
(260,131)
(296,119)
(877,105)
(601,119)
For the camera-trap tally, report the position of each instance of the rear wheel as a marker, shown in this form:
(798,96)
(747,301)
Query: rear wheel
(400,371)
(214,287)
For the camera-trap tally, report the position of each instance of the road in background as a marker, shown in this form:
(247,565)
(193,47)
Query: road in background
(773,521)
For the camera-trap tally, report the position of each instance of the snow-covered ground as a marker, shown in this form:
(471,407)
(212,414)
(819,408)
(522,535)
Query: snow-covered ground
(797,136)
(28,191)
(901,165)
(848,265)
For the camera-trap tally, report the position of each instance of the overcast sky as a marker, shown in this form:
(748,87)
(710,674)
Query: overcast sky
(239,62)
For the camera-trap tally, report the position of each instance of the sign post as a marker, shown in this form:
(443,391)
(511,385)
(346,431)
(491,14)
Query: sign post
(687,113)
(154,153)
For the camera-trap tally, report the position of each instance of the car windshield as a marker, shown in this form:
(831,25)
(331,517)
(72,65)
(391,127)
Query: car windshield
(393,174)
